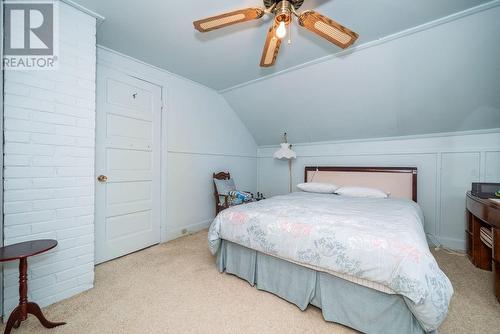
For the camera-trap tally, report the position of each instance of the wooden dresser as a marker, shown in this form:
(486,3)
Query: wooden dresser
(483,213)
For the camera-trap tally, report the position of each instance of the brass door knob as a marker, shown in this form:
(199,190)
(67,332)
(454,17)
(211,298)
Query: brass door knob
(102,178)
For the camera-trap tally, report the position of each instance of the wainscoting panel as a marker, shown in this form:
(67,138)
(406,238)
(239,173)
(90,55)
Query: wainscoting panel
(447,164)
(458,171)
(492,167)
(191,204)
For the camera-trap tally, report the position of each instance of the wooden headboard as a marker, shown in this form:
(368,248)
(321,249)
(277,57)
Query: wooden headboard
(400,182)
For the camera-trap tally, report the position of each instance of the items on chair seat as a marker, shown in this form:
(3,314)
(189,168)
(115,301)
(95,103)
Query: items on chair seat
(243,196)
(225,192)
(486,235)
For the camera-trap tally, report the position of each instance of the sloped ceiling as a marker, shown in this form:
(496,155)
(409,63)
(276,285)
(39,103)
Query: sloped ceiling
(160,32)
(443,79)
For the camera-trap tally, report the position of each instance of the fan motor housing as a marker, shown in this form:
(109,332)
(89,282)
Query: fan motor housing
(283,12)
(296,3)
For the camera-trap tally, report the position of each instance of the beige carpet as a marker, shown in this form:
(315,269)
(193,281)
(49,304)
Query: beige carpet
(175,288)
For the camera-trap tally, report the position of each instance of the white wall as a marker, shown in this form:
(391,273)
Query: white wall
(1,152)
(201,135)
(49,165)
(442,79)
(447,164)
(50,148)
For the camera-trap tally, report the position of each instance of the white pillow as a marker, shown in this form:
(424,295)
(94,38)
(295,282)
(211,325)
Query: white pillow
(361,192)
(316,187)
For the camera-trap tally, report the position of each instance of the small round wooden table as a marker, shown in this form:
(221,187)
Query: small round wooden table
(21,252)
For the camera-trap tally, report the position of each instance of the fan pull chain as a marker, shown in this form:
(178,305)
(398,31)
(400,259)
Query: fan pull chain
(290,32)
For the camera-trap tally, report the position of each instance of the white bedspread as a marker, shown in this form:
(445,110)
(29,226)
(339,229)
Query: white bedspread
(380,240)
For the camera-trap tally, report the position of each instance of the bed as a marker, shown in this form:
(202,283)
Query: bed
(364,261)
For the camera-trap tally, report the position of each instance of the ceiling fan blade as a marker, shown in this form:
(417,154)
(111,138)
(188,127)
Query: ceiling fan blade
(271,48)
(328,29)
(226,19)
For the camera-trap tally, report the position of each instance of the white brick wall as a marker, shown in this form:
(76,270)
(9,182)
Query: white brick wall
(49,165)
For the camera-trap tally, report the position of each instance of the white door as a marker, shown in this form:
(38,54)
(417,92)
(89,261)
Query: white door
(127,201)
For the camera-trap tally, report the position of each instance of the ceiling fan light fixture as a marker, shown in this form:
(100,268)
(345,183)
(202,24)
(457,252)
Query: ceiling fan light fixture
(283,12)
(283,17)
(281,31)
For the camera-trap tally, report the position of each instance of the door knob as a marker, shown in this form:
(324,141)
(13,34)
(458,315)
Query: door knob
(102,178)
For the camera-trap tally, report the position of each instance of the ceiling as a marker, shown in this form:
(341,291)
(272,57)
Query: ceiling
(444,79)
(160,32)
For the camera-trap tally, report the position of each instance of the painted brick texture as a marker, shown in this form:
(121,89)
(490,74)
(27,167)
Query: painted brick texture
(49,165)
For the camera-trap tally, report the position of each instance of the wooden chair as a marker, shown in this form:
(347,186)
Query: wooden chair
(225,204)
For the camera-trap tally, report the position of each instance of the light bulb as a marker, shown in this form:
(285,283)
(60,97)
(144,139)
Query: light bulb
(281,31)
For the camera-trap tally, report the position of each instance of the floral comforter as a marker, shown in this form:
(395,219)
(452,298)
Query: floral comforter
(380,240)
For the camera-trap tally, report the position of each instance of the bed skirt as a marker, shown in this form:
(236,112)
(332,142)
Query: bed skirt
(341,301)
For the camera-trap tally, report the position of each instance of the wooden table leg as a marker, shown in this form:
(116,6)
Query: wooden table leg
(20,313)
(496,261)
(34,309)
(23,288)
(13,319)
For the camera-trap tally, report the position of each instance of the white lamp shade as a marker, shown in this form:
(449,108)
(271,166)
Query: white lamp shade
(285,152)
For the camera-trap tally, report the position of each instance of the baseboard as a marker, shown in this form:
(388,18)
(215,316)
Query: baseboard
(451,243)
(186,230)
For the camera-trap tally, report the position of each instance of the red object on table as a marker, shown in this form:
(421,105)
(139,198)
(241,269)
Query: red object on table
(21,252)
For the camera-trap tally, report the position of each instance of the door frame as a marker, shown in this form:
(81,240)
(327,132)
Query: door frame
(163,127)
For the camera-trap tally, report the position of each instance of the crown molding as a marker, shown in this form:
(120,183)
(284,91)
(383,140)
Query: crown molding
(99,18)
(422,136)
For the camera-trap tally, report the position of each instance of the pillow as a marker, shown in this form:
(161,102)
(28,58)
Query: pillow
(224,186)
(316,187)
(361,192)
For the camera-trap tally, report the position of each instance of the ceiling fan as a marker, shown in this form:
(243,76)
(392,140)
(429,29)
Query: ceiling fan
(283,11)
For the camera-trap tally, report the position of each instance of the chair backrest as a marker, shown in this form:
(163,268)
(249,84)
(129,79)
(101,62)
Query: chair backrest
(222,176)
(219,176)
